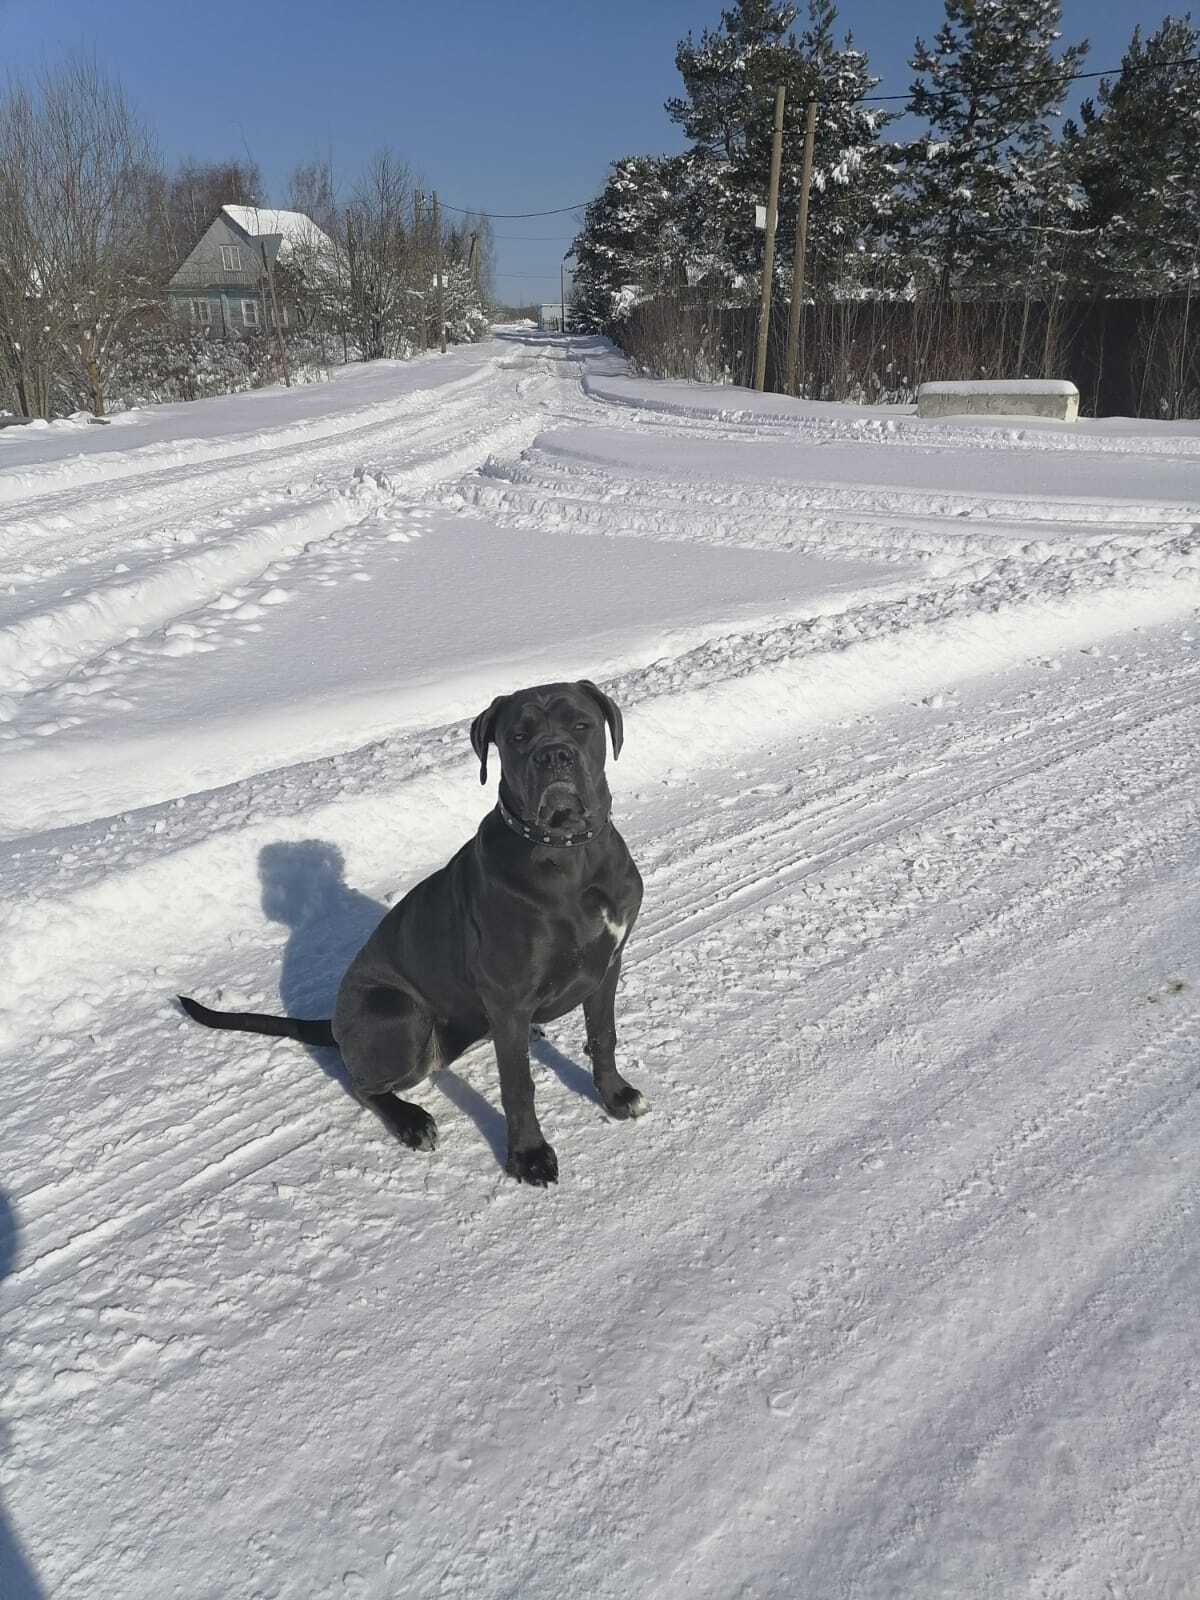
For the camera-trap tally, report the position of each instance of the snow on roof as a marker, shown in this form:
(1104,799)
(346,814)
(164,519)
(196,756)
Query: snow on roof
(265,222)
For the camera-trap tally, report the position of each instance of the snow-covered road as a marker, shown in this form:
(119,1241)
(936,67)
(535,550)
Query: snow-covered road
(893,1294)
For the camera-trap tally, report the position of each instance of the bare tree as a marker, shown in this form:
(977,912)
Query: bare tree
(77,172)
(26,339)
(197,192)
(385,245)
(311,190)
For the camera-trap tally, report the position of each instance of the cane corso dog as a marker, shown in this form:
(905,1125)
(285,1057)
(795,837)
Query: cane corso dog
(526,922)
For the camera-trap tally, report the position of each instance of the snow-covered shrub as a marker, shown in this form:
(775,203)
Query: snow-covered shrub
(171,363)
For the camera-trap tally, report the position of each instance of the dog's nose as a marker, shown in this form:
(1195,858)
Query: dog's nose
(555,758)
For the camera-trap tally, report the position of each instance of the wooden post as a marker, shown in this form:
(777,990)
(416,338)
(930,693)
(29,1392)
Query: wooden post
(422,339)
(796,311)
(437,256)
(764,310)
(1181,377)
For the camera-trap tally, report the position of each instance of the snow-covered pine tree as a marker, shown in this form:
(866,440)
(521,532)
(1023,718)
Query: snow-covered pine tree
(981,185)
(1136,155)
(467,250)
(853,174)
(727,109)
(630,246)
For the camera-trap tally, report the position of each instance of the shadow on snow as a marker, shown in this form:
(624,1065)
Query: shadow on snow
(17,1581)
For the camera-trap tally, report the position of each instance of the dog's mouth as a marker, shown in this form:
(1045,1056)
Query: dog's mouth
(561,805)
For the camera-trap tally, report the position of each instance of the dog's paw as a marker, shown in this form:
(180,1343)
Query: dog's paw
(537,1166)
(626,1102)
(414,1127)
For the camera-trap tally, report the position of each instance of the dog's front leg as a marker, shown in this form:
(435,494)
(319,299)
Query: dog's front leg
(530,1158)
(620,1099)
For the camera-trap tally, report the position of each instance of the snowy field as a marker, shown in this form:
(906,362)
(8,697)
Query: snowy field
(894,1293)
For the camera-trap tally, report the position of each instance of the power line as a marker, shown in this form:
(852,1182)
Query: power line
(1017,83)
(874,99)
(508,216)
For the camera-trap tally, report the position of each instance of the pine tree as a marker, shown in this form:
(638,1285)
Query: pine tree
(631,244)
(1136,155)
(729,77)
(727,110)
(978,188)
(853,174)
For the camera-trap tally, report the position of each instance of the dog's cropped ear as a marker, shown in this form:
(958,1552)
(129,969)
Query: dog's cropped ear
(612,714)
(483,733)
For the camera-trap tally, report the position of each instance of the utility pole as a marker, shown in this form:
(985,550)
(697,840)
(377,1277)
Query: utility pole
(437,256)
(353,304)
(796,311)
(421,315)
(764,310)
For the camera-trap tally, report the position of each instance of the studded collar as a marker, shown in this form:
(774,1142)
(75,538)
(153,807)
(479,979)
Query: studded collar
(550,836)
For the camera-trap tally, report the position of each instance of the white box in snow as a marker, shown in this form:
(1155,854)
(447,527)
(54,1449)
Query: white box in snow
(1000,397)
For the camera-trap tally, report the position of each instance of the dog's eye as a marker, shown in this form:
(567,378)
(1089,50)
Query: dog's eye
(582,727)
(518,737)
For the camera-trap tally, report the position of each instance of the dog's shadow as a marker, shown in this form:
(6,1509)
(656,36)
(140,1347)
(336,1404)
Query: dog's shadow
(18,1580)
(304,888)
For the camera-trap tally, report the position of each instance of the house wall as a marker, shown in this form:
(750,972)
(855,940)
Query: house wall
(226,311)
(203,269)
(203,277)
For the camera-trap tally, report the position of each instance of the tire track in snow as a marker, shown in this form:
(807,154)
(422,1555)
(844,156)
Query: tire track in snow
(805,849)
(785,1363)
(745,423)
(542,483)
(1143,1102)
(55,490)
(807,1357)
(144,1210)
(817,837)
(35,652)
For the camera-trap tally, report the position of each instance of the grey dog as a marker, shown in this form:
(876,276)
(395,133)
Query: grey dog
(526,922)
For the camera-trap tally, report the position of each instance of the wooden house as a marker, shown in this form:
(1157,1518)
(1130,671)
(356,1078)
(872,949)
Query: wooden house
(223,288)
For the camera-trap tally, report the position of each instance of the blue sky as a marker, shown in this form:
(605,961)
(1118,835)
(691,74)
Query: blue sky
(507,107)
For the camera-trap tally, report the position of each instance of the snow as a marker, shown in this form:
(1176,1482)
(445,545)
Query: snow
(295,229)
(1060,386)
(893,1291)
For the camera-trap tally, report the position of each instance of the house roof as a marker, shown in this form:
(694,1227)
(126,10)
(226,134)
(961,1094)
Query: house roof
(293,228)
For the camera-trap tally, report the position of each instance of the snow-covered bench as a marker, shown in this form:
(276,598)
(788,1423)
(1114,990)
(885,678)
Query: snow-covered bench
(1000,397)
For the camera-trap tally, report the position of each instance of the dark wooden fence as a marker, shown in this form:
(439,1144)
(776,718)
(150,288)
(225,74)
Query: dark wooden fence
(1134,358)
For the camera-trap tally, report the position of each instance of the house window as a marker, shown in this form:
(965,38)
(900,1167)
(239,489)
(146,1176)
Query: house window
(231,257)
(202,313)
(250,318)
(283,316)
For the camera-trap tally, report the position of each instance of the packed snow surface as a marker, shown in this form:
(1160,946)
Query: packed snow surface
(893,1294)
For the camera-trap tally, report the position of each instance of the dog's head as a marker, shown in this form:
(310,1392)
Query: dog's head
(552,750)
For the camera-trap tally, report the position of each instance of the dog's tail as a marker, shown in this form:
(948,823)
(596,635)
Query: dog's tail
(308,1032)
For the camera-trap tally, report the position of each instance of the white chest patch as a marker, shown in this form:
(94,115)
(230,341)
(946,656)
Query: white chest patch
(617,929)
